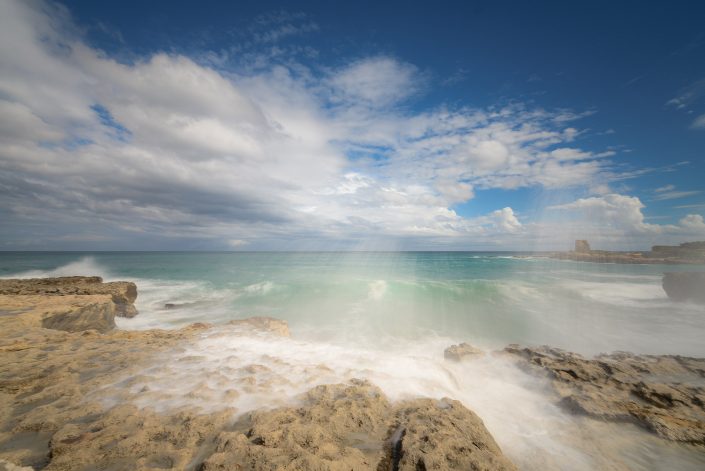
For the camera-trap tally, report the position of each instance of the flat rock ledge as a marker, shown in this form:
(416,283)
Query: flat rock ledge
(664,394)
(73,304)
(122,293)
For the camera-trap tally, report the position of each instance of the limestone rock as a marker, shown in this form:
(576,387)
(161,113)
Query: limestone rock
(353,426)
(685,286)
(443,434)
(664,394)
(460,351)
(269,325)
(582,246)
(98,315)
(8,466)
(123,293)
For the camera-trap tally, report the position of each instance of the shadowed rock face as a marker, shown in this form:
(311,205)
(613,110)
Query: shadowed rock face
(685,286)
(123,293)
(664,394)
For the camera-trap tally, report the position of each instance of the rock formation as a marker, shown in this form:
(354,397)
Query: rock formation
(263,324)
(460,351)
(61,407)
(687,253)
(122,293)
(582,246)
(664,394)
(353,426)
(685,286)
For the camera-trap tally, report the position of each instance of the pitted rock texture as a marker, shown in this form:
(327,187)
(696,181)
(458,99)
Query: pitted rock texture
(122,293)
(664,394)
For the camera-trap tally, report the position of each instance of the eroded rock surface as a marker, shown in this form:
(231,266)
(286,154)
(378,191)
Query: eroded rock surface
(354,426)
(664,394)
(122,293)
(263,324)
(460,351)
(71,401)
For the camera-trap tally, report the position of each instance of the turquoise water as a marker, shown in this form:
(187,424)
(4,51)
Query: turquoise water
(490,299)
(387,317)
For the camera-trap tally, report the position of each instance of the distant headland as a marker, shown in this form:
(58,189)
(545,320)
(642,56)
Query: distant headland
(686,253)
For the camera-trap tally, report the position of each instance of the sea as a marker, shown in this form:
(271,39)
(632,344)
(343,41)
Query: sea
(388,316)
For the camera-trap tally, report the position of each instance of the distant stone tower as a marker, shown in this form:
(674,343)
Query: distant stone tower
(582,246)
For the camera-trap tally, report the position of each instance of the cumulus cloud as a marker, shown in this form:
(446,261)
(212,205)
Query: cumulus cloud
(167,148)
(624,214)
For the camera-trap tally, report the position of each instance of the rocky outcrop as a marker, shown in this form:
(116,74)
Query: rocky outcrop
(70,313)
(685,286)
(582,246)
(687,250)
(122,293)
(95,315)
(354,426)
(67,402)
(268,325)
(664,394)
(460,351)
(687,253)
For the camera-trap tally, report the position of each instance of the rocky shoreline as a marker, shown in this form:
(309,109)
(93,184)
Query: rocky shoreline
(689,253)
(60,349)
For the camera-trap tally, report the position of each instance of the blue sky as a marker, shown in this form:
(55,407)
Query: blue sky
(341,125)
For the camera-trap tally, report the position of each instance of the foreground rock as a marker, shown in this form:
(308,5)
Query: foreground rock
(353,426)
(685,286)
(67,402)
(122,293)
(664,394)
(70,313)
(460,351)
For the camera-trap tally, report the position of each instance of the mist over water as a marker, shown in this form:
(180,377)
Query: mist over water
(387,317)
(487,299)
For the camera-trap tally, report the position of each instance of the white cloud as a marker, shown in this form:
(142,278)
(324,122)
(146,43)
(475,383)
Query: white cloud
(665,188)
(375,81)
(699,122)
(623,214)
(274,152)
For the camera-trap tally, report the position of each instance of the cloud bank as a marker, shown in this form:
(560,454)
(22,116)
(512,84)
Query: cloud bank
(167,151)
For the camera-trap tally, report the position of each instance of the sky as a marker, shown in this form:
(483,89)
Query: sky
(351,125)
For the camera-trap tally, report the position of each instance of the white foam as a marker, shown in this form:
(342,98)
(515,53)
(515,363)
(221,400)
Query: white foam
(230,368)
(86,266)
(377,289)
(261,288)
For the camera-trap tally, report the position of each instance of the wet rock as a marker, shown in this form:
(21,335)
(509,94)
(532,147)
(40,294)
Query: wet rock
(460,351)
(685,286)
(269,325)
(664,394)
